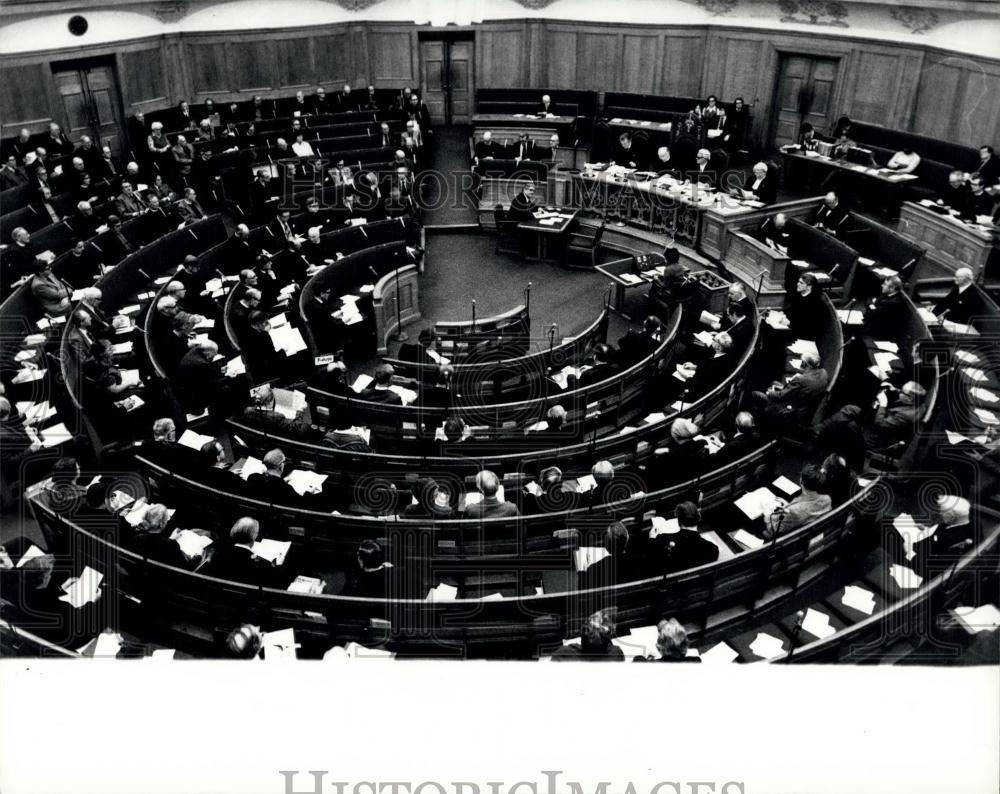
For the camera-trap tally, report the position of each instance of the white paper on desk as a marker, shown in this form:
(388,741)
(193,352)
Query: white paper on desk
(747,540)
(306,584)
(864,260)
(858,598)
(955,438)
(767,646)
(274,551)
(361,383)
(252,465)
(28,375)
(122,348)
(961,328)
(719,654)
(161,655)
(757,503)
(306,481)
(777,320)
(664,526)
(817,623)
(803,347)
(801,263)
(965,356)
(985,395)
(906,578)
(194,440)
(927,315)
(851,316)
(408,396)
(289,402)
(438,358)
(704,338)
(32,552)
(639,641)
(24,355)
(631,279)
(709,319)
(982,618)
(585,483)
(533,488)
(888,347)
(795,363)
(585,556)
(134,308)
(130,378)
(561,378)
(988,417)
(884,360)
(537,426)
(443,592)
(52,436)
(787,486)
(83,589)
(974,374)
(131,403)
(36,413)
(653,418)
(192,544)
(884,272)
(279,644)
(287,338)
(107,645)
(712,441)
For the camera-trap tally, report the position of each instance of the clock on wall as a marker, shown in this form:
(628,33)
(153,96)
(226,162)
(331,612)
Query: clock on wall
(78,25)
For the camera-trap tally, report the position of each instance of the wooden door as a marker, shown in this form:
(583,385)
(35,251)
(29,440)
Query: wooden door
(433,68)
(91,103)
(804,93)
(460,81)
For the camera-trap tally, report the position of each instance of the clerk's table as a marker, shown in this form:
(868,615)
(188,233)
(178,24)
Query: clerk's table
(549,227)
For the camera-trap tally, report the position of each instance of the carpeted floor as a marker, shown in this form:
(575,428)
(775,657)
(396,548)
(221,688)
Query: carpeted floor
(447,178)
(462,267)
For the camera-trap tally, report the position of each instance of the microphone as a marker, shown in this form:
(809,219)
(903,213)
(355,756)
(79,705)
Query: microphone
(145,274)
(373,272)
(800,618)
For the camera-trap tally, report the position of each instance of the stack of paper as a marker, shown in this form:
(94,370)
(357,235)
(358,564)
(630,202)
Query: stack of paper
(858,598)
(235,367)
(712,320)
(52,436)
(906,578)
(965,356)
(443,592)
(585,483)
(984,618)
(851,316)
(288,339)
(408,396)
(704,338)
(130,378)
(122,348)
(36,413)
(32,552)
(746,540)
(28,375)
(720,654)
(192,543)
(777,319)
(250,465)
(984,395)
(279,644)
(767,646)
(974,374)
(289,402)
(562,376)
(82,589)
(306,481)
(888,347)
(131,403)
(274,551)
(664,526)
(306,584)
(194,440)
(362,382)
(987,417)
(585,556)
(803,347)
(817,623)
(758,503)
(654,418)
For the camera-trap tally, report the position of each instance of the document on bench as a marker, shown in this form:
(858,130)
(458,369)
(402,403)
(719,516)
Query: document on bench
(55,435)
(274,551)
(720,654)
(984,395)
(803,347)
(585,483)
(817,623)
(974,620)
(194,440)
(289,402)
(279,644)
(362,382)
(746,540)
(121,349)
(585,556)
(905,578)
(787,486)
(83,589)
(288,339)
(192,543)
(249,465)
(858,598)
(306,481)
(36,413)
(973,374)
(408,396)
(758,503)
(306,584)
(32,552)
(130,378)
(235,366)
(767,646)
(443,592)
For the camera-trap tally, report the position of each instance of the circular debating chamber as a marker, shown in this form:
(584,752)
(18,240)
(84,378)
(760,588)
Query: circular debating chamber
(312,351)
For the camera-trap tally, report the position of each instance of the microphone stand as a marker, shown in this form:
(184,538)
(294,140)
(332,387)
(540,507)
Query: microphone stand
(800,618)
(400,335)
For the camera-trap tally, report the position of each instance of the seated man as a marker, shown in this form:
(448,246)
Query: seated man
(270,485)
(712,370)
(489,506)
(129,203)
(886,315)
(805,310)
(371,578)
(637,345)
(595,642)
(378,391)
(897,416)
(957,195)
(775,233)
(261,414)
(523,204)
(662,164)
(803,509)
(671,644)
(236,562)
(602,369)
(485,149)
(51,292)
(626,153)
(831,215)
(795,400)
(680,548)
(959,305)
(343,435)
(618,566)
(744,440)
(764,187)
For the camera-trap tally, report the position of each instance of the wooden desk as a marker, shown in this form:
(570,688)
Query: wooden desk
(717,223)
(544,233)
(403,282)
(880,190)
(950,243)
(620,273)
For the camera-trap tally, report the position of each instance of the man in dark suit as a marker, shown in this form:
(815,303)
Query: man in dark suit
(744,440)
(626,153)
(738,325)
(262,415)
(602,369)
(318,311)
(257,348)
(371,578)
(547,106)
(707,169)
(188,208)
(805,308)
(486,148)
(713,368)
(417,111)
(236,562)
(522,205)
(157,221)
(681,547)
(775,233)
(885,318)
(346,101)
(831,215)
(56,143)
(763,187)
(525,148)
(637,345)
(12,175)
(379,391)
(489,506)
(262,198)
(320,104)
(989,167)
(796,399)
(270,485)
(201,381)
(962,302)
(618,566)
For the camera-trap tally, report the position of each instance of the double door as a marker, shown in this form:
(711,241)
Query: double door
(91,101)
(446,67)
(804,94)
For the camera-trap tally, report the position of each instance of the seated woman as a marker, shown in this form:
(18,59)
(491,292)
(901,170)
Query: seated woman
(671,642)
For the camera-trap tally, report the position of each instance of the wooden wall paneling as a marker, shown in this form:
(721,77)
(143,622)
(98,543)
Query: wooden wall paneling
(360,70)
(208,67)
(252,65)
(294,66)
(640,63)
(501,60)
(934,113)
(561,57)
(22,104)
(142,78)
(598,61)
(177,72)
(681,61)
(536,44)
(977,111)
(330,58)
(873,86)
(394,61)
